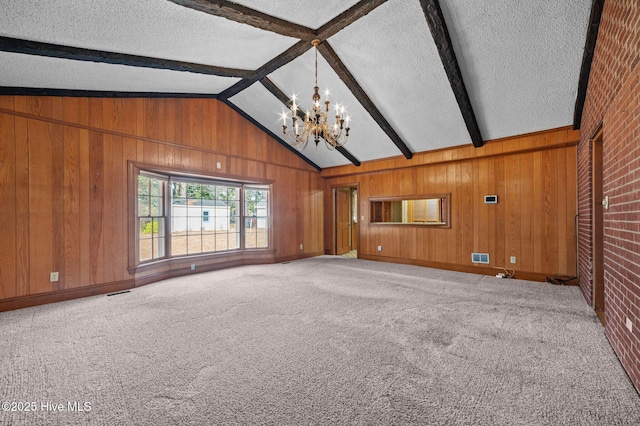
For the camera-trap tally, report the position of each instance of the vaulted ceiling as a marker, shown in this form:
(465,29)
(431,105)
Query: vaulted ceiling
(413,75)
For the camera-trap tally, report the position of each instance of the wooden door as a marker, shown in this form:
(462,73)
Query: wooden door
(343,220)
(598,228)
(354,219)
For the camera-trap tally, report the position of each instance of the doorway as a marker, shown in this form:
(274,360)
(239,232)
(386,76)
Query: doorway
(598,227)
(346,221)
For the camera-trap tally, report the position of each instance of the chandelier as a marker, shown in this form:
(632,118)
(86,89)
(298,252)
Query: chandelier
(316,121)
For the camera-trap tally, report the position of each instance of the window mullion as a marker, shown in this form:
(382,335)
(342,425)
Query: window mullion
(242,219)
(167,217)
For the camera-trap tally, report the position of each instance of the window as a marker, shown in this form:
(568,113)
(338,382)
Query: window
(181,216)
(433,210)
(256,219)
(151,216)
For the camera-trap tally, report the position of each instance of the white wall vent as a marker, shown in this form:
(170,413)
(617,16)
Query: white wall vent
(480,257)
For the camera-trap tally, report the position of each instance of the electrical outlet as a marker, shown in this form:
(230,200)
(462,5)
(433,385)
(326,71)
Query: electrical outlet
(362,217)
(301,247)
(629,325)
(193,266)
(379,248)
(513,259)
(54,277)
(218,165)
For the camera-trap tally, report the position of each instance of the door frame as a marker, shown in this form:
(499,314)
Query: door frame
(597,225)
(334,213)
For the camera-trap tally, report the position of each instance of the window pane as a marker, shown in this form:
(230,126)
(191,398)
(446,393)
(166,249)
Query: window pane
(255,202)
(157,206)
(250,232)
(262,232)
(233,194)
(256,232)
(234,208)
(222,223)
(178,245)
(156,187)
(234,240)
(208,192)
(158,247)
(193,208)
(194,244)
(145,250)
(179,207)
(178,189)
(208,241)
(178,226)
(222,241)
(194,191)
(143,205)
(143,185)
(159,227)
(146,228)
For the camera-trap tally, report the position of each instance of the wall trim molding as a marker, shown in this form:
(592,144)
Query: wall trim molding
(145,139)
(452,155)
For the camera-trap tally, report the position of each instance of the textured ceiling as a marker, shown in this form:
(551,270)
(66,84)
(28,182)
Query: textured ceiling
(519,61)
(309,13)
(155,28)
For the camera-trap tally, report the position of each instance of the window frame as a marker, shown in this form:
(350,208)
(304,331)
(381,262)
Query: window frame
(445,209)
(164,216)
(135,169)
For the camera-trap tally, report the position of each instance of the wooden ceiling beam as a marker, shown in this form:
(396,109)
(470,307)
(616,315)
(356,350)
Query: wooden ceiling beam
(8,44)
(289,55)
(304,34)
(347,17)
(587,59)
(282,97)
(438,27)
(245,15)
(345,75)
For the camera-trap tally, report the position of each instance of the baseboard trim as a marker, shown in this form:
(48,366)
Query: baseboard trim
(473,269)
(97,289)
(297,257)
(61,295)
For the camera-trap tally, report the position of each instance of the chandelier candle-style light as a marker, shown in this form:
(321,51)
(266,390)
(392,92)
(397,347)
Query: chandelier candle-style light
(316,122)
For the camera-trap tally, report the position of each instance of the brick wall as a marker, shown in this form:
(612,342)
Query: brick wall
(613,99)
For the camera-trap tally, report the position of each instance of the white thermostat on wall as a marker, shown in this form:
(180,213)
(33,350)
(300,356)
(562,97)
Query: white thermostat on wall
(491,199)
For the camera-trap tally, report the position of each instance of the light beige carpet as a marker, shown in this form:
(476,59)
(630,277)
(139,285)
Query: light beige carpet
(326,340)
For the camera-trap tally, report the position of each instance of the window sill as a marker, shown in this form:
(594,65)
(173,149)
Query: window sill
(257,255)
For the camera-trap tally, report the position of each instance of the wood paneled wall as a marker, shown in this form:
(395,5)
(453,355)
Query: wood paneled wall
(63,185)
(534,177)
